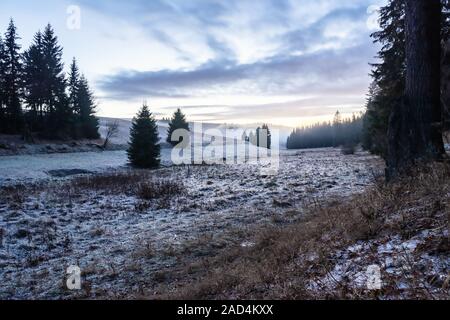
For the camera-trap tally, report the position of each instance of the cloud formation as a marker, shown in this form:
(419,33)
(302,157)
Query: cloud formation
(316,49)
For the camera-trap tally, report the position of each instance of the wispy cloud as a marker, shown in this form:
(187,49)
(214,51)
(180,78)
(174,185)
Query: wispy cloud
(178,52)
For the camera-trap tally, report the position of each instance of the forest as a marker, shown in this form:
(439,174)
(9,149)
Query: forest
(37,97)
(387,89)
(340,132)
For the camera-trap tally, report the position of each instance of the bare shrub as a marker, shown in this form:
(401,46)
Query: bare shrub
(116,182)
(13,194)
(112,131)
(140,183)
(159,189)
(348,149)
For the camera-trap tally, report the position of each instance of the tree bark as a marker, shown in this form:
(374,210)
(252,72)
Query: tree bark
(445,84)
(415,127)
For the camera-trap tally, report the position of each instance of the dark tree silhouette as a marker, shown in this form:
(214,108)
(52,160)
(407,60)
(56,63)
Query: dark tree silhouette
(178,121)
(33,73)
(144,150)
(415,126)
(388,76)
(12,83)
(54,107)
(73,84)
(340,132)
(86,121)
(55,97)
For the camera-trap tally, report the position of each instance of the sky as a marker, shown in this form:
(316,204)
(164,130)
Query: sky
(284,62)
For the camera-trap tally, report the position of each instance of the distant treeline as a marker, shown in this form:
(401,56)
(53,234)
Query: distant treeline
(36,95)
(339,132)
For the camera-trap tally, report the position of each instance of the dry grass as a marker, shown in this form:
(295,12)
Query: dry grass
(140,183)
(123,182)
(284,260)
(159,189)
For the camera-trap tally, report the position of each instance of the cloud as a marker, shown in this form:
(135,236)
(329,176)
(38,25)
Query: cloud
(266,48)
(279,75)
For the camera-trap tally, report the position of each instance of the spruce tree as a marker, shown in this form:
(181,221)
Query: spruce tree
(55,98)
(337,129)
(415,125)
(85,119)
(33,73)
(12,81)
(388,76)
(144,150)
(73,83)
(178,121)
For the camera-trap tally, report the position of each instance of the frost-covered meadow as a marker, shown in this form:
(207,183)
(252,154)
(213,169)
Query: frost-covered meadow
(120,228)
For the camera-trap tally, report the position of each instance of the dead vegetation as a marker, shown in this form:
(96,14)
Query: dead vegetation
(159,189)
(141,183)
(292,262)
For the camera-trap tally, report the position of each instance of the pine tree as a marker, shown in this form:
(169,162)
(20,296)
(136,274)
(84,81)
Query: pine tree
(74,82)
(55,98)
(415,124)
(73,88)
(178,121)
(337,129)
(33,73)
(144,150)
(12,81)
(85,120)
(388,76)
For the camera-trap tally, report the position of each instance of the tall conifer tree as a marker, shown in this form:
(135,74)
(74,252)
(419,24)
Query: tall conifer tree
(85,119)
(12,81)
(144,150)
(33,73)
(178,121)
(56,100)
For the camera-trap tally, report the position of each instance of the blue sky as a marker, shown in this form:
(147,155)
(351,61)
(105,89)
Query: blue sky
(237,61)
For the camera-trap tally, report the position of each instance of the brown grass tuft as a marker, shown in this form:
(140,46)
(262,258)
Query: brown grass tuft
(159,189)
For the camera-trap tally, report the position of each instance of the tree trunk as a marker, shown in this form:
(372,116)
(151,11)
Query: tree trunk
(415,127)
(445,84)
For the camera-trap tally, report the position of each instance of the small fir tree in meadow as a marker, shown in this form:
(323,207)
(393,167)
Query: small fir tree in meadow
(178,121)
(144,150)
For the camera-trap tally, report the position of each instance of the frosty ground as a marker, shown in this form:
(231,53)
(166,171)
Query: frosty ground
(124,233)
